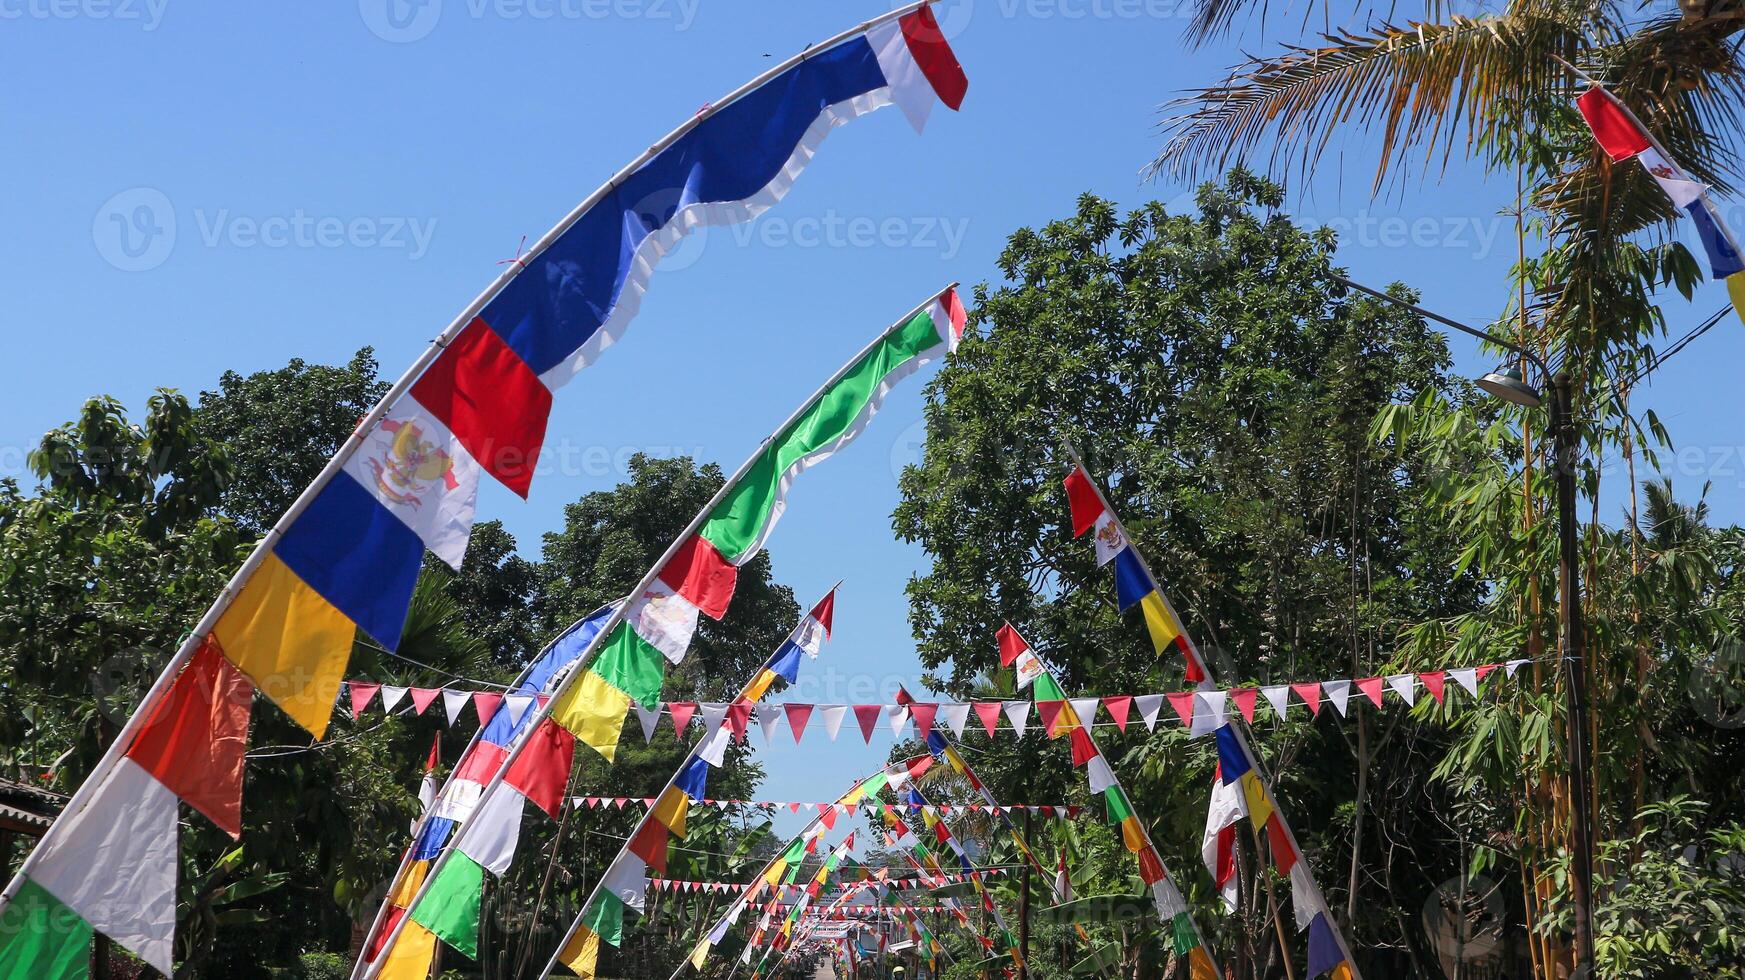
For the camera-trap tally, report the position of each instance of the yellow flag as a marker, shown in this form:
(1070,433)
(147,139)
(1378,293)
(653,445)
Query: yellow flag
(1200,965)
(593,711)
(410,957)
(582,953)
(671,808)
(1163,627)
(700,954)
(291,642)
(760,687)
(1736,291)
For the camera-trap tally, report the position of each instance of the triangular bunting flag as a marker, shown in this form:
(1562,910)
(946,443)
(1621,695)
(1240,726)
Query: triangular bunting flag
(867,715)
(1149,705)
(1434,683)
(361,693)
(1018,716)
(954,716)
(989,713)
(1338,692)
(486,703)
(1371,688)
(681,712)
(798,715)
(453,702)
(1245,698)
(422,696)
(650,719)
(1310,692)
(1404,687)
(1117,707)
(833,715)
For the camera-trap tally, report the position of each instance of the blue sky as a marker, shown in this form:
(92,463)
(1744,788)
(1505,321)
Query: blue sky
(199,186)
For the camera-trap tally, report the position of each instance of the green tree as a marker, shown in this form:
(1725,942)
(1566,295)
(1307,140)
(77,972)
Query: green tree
(1221,388)
(281,427)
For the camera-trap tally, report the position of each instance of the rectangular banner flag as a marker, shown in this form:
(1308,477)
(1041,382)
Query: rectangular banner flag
(347,554)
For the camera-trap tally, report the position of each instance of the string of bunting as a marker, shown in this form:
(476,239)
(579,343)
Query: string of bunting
(1060,811)
(794,890)
(954,715)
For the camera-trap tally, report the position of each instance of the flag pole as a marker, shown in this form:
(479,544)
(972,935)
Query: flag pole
(1207,683)
(124,739)
(617,616)
(745,896)
(424,818)
(690,757)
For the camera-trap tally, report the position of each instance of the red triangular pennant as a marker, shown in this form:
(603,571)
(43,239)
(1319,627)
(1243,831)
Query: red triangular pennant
(486,704)
(868,716)
(1117,707)
(422,696)
(1244,698)
(738,716)
(1434,681)
(1311,695)
(989,713)
(1049,712)
(681,712)
(1183,703)
(923,715)
(798,714)
(1371,688)
(361,693)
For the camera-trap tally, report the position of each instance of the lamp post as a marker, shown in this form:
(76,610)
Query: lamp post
(1508,385)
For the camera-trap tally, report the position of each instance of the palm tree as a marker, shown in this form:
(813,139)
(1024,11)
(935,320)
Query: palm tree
(1499,86)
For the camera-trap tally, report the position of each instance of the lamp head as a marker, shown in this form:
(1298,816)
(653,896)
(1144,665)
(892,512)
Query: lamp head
(1506,383)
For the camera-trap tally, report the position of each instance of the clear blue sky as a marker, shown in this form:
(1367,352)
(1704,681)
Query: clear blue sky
(346,174)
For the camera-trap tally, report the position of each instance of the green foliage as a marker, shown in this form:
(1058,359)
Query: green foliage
(1678,909)
(1221,389)
(281,427)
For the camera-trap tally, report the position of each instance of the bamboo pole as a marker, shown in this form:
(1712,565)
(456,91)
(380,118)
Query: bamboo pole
(1208,683)
(617,616)
(124,740)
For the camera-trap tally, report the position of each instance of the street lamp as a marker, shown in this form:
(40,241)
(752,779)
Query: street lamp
(1508,385)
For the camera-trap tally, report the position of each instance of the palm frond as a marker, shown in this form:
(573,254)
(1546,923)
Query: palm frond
(1426,83)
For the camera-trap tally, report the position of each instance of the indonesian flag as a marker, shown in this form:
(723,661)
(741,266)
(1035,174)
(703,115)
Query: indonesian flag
(1015,652)
(1062,884)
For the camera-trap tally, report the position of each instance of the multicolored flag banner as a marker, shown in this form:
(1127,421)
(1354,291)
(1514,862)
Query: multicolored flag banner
(1172,908)
(347,553)
(784,867)
(446,904)
(1238,788)
(459,796)
(1622,136)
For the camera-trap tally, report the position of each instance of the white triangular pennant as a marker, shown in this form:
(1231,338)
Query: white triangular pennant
(833,715)
(1149,705)
(649,717)
(1405,685)
(517,705)
(1338,692)
(391,696)
(954,716)
(453,702)
(1279,697)
(768,717)
(898,716)
(1209,714)
(1466,677)
(1017,715)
